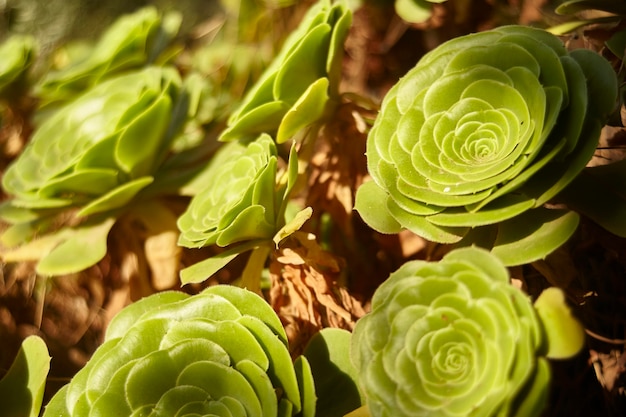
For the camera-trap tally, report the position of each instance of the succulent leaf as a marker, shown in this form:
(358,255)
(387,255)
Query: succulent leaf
(22,387)
(295,89)
(18,53)
(484,128)
(215,353)
(454,337)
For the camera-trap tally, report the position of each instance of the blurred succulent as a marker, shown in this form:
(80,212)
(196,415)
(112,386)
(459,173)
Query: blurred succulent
(222,352)
(241,205)
(454,338)
(480,134)
(93,155)
(295,89)
(611,12)
(415,11)
(133,41)
(17,54)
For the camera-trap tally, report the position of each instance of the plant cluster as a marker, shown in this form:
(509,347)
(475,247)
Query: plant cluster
(480,147)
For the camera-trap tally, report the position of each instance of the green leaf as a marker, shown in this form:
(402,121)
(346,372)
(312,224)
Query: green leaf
(598,193)
(564,333)
(533,235)
(141,140)
(293,225)
(336,381)
(83,247)
(575,6)
(203,270)
(370,204)
(117,197)
(306,385)
(307,109)
(414,11)
(22,388)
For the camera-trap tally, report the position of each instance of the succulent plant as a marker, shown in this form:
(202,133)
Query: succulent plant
(18,53)
(238,201)
(222,352)
(133,41)
(486,128)
(241,206)
(454,338)
(294,90)
(93,156)
(101,149)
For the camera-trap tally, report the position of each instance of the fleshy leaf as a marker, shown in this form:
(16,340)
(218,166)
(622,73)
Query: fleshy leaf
(533,235)
(336,382)
(22,387)
(565,335)
(82,248)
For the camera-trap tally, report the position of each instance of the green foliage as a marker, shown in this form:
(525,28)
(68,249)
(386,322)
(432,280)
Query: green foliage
(222,352)
(88,156)
(239,201)
(18,53)
(22,388)
(133,41)
(485,128)
(455,338)
(335,376)
(415,11)
(295,89)
(615,12)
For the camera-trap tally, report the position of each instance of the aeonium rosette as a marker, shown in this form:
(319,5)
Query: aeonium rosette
(486,128)
(455,338)
(93,156)
(222,352)
(238,201)
(240,206)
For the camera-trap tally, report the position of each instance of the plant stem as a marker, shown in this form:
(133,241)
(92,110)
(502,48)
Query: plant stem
(251,276)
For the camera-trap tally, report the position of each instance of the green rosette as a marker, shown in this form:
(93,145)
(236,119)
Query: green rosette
(454,338)
(220,353)
(87,163)
(98,151)
(480,134)
(239,201)
(17,54)
(296,88)
(133,41)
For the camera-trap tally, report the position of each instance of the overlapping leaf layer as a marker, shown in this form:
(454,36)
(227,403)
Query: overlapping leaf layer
(222,353)
(484,128)
(454,338)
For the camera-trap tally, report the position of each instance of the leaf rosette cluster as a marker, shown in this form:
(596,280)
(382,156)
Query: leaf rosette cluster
(295,89)
(485,128)
(100,150)
(239,201)
(133,41)
(222,352)
(454,338)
